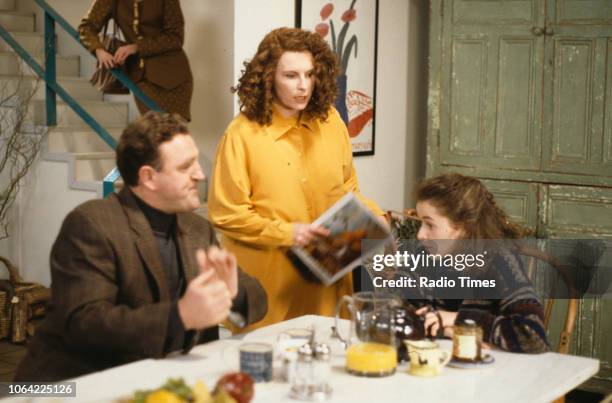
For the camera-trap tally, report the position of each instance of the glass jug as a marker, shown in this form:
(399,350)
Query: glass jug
(371,344)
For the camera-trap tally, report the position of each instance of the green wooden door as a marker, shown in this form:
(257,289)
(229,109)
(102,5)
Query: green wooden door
(491,76)
(578,83)
(520,95)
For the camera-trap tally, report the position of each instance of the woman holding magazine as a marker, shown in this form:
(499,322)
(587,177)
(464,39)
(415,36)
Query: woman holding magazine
(282,162)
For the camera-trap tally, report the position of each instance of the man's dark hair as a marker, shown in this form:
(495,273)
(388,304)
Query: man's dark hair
(140,141)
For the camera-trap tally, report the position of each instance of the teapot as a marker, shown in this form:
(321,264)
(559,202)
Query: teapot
(407,325)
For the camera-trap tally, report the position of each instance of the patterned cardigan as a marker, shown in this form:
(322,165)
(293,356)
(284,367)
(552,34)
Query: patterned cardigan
(515,322)
(512,319)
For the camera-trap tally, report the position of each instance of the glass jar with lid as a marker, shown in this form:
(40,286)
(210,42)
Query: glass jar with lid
(467,341)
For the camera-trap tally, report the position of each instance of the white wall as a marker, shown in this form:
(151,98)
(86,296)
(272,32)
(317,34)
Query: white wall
(209,43)
(41,217)
(381,176)
(252,21)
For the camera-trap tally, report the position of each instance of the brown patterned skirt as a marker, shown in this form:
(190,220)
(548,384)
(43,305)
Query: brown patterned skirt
(177,100)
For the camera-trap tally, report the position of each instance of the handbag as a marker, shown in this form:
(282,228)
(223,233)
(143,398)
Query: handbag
(103,80)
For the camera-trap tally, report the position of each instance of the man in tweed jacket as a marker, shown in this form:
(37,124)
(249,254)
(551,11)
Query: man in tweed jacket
(130,275)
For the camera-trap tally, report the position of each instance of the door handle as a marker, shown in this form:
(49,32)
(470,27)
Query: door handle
(537,31)
(549,31)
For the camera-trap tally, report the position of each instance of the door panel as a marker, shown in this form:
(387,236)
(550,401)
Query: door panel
(579,211)
(518,199)
(489,12)
(572,99)
(491,69)
(576,133)
(467,92)
(607,107)
(582,11)
(517,123)
(491,119)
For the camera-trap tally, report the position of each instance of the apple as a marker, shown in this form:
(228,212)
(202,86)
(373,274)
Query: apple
(238,385)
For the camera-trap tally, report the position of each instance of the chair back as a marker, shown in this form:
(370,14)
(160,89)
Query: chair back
(534,255)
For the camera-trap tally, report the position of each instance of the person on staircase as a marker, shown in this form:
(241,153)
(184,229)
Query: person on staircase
(153,56)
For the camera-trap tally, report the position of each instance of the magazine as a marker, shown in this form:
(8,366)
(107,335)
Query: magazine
(330,258)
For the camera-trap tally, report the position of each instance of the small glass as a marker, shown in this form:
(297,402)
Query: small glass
(467,341)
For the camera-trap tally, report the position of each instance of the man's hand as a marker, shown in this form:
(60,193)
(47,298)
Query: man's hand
(105,59)
(124,52)
(207,300)
(303,234)
(224,265)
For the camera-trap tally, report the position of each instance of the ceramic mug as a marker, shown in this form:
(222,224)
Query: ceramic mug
(426,357)
(256,360)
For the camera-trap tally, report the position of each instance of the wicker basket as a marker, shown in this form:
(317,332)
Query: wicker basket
(20,302)
(5,309)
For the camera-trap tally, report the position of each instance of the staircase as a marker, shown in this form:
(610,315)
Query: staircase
(71,141)
(73,161)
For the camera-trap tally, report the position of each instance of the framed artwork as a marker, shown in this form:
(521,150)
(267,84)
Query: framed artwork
(351,29)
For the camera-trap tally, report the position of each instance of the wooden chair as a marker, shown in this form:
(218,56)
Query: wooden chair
(534,255)
(405,224)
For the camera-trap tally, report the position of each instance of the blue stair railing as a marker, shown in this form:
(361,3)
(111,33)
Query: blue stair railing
(49,75)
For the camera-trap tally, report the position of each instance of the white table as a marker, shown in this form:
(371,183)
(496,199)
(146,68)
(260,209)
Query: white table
(511,378)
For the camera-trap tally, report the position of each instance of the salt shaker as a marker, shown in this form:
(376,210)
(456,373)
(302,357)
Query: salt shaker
(322,371)
(301,385)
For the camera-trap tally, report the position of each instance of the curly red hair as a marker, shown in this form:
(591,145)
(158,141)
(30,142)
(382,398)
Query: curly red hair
(255,86)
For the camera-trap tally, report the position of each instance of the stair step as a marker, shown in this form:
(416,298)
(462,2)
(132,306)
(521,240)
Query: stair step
(92,155)
(32,42)
(11,63)
(105,112)
(17,21)
(78,87)
(93,166)
(75,139)
(7,5)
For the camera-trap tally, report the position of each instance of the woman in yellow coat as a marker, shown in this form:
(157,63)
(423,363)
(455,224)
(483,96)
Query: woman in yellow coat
(283,161)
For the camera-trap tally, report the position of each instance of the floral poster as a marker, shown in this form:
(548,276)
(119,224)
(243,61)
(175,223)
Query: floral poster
(350,28)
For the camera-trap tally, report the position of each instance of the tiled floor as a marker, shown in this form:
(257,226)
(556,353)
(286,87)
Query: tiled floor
(10,355)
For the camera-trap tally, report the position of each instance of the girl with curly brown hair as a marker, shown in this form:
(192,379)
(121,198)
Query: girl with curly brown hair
(455,207)
(283,161)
